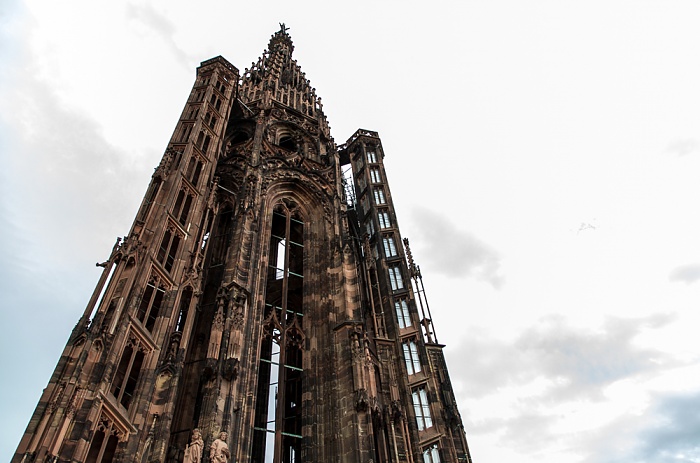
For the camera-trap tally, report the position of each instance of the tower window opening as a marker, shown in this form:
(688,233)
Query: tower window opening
(379,197)
(410,355)
(371,156)
(402,314)
(389,246)
(205,238)
(194,169)
(239,137)
(374,175)
(101,449)
(185,301)
(277,424)
(384,221)
(128,370)
(421,407)
(185,133)
(150,305)
(287,142)
(370,227)
(181,210)
(395,278)
(431,454)
(168,249)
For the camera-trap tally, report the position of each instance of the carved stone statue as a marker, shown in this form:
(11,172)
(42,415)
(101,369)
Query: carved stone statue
(193,452)
(218,452)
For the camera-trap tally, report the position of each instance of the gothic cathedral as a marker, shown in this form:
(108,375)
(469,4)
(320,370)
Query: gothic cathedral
(262,308)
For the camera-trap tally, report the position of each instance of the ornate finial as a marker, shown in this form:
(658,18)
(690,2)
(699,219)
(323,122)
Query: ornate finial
(367,249)
(411,265)
(283,28)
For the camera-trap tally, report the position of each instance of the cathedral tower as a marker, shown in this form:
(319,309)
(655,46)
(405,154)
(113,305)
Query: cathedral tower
(261,297)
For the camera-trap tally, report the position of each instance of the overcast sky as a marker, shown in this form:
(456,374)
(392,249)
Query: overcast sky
(543,156)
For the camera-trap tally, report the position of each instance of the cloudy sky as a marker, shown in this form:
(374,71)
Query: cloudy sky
(544,157)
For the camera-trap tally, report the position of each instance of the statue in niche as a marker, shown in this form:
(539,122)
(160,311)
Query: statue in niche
(218,452)
(193,452)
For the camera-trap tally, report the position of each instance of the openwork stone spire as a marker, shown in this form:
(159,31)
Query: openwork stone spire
(278,74)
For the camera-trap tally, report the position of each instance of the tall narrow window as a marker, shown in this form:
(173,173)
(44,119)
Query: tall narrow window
(410,355)
(379,197)
(194,169)
(151,302)
(361,183)
(402,314)
(371,156)
(384,221)
(181,210)
(184,309)
(277,424)
(127,375)
(389,246)
(185,133)
(431,454)
(168,249)
(375,175)
(421,407)
(395,277)
(102,449)
(197,172)
(370,227)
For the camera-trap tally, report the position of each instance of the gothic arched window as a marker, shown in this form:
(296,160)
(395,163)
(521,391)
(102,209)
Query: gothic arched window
(278,409)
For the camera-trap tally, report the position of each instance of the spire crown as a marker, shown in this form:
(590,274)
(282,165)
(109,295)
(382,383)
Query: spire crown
(281,41)
(275,73)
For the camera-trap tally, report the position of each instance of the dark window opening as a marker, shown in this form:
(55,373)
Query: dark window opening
(124,383)
(168,249)
(181,210)
(287,143)
(150,305)
(194,170)
(221,236)
(101,449)
(239,137)
(185,134)
(184,309)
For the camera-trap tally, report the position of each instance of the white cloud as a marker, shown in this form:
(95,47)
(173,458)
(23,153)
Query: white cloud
(456,253)
(686,273)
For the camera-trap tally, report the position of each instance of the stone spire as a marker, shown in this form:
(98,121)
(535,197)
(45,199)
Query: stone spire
(276,73)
